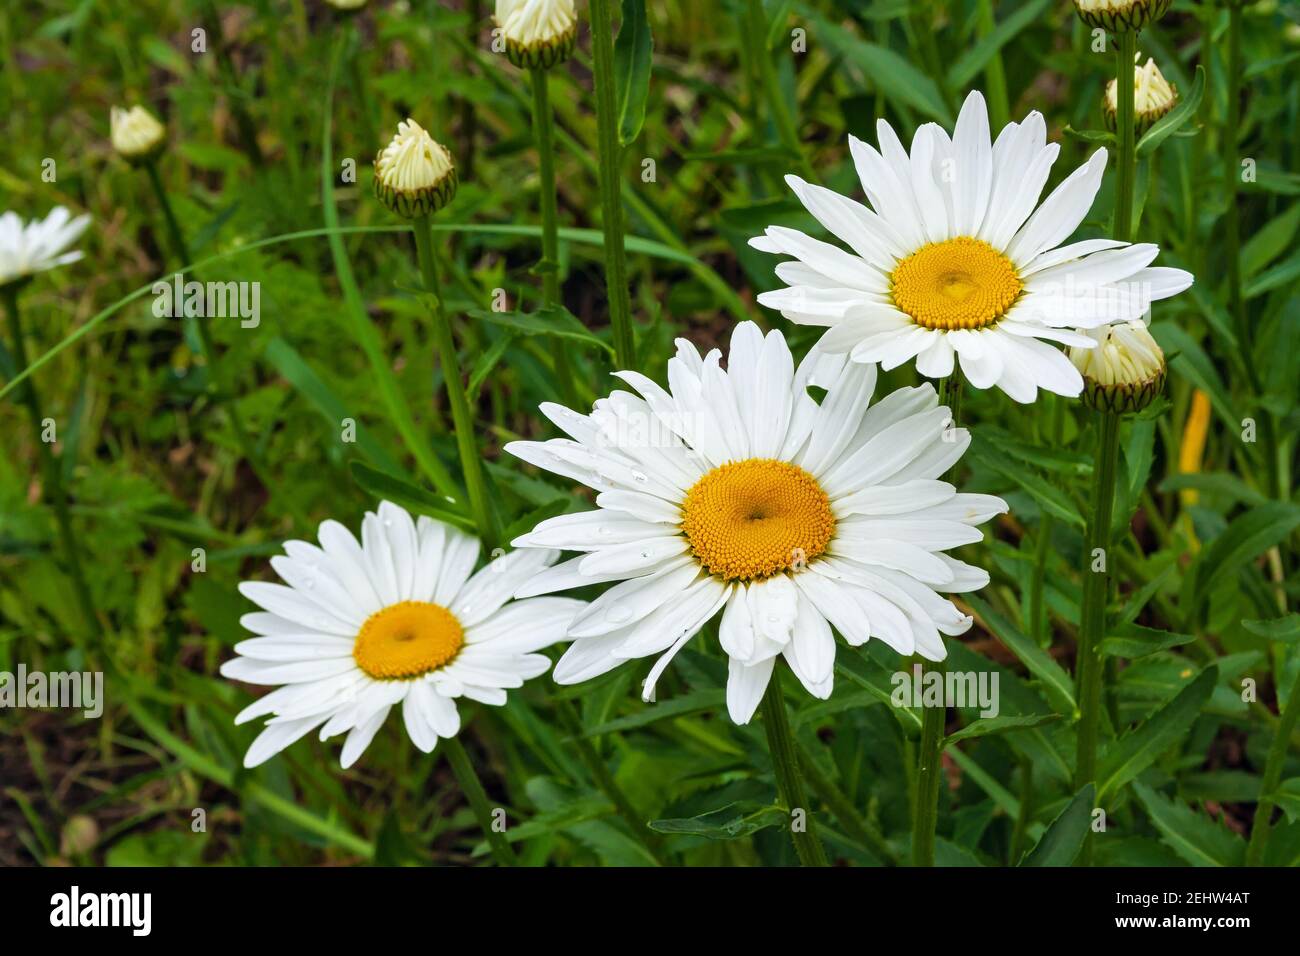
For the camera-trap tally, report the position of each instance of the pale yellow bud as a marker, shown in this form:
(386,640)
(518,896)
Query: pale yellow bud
(136,135)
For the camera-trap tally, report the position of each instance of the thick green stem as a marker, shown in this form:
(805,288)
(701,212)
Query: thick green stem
(606,782)
(549,267)
(611,205)
(1025,813)
(485,516)
(472,787)
(789,782)
(1038,620)
(782,118)
(1096,589)
(50,466)
(929,758)
(1272,776)
(243,122)
(929,775)
(994,74)
(1126,170)
(842,807)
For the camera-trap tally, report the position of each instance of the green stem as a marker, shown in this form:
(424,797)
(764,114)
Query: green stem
(842,807)
(472,787)
(929,765)
(485,516)
(782,118)
(1038,621)
(243,122)
(1236,306)
(1126,171)
(53,479)
(789,782)
(611,205)
(995,75)
(549,267)
(929,775)
(1272,777)
(1025,813)
(1088,666)
(606,782)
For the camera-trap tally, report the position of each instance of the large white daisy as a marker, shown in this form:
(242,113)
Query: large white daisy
(957,260)
(734,491)
(397,619)
(29,248)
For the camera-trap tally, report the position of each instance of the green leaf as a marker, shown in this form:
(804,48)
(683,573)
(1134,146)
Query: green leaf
(1137,641)
(1249,536)
(970,63)
(1056,682)
(402,492)
(1285,629)
(897,78)
(680,706)
(1193,364)
(1193,836)
(1174,120)
(999,725)
(1139,748)
(870,676)
(1095,136)
(555,321)
(632,49)
(1048,496)
(1064,836)
(1266,243)
(725,823)
(286,360)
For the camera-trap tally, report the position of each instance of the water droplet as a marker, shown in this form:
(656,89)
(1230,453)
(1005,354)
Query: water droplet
(309,583)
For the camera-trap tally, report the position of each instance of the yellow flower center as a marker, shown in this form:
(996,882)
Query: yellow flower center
(755,518)
(407,639)
(960,283)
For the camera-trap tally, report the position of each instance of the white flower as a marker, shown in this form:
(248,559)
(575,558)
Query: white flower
(1153,97)
(135,133)
(414,175)
(396,619)
(736,492)
(537,32)
(347,6)
(28,248)
(955,262)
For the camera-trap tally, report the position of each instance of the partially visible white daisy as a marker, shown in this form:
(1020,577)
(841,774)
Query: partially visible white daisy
(735,492)
(29,248)
(397,619)
(958,261)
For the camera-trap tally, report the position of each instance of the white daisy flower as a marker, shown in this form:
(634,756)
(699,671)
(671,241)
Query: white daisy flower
(29,248)
(736,492)
(956,264)
(396,619)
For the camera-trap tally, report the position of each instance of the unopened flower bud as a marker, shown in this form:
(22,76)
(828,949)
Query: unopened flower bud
(1153,97)
(414,175)
(1125,372)
(537,33)
(1121,16)
(136,135)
